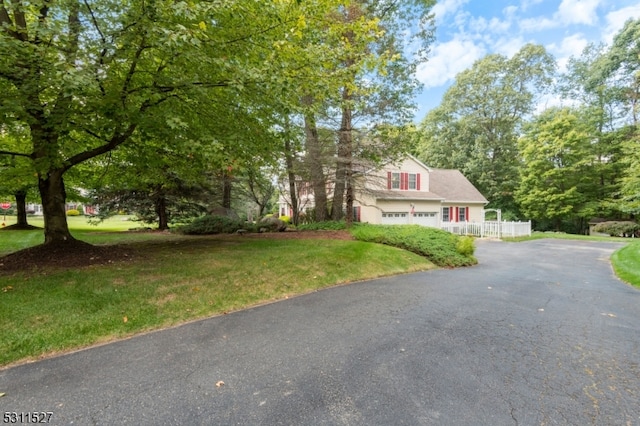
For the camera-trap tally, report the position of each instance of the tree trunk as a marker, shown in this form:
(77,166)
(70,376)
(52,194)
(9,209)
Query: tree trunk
(343,165)
(226,190)
(21,207)
(288,155)
(350,218)
(315,164)
(161,211)
(54,195)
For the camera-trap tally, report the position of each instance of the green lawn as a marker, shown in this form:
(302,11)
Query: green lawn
(626,263)
(111,231)
(172,279)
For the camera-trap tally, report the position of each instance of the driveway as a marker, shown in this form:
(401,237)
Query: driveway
(540,333)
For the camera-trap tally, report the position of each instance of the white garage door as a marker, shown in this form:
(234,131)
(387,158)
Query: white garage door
(395,218)
(425,218)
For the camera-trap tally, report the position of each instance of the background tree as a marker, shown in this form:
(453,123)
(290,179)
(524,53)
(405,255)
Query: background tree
(17,178)
(475,128)
(557,155)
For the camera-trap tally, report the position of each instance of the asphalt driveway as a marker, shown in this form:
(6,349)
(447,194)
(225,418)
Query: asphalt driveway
(540,333)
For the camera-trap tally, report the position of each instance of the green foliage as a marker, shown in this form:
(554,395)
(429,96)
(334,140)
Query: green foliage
(626,263)
(475,128)
(556,153)
(210,224)
(73,212)
(465,246)
(618,229)
(286,219)
(440,247)
(329,225)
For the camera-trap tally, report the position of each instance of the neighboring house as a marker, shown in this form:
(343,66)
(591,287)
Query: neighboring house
(409,192)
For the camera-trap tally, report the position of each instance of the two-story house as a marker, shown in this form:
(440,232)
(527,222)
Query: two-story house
(409,192)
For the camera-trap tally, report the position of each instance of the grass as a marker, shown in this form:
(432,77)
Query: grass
(626,263)
(176,279)
(111,231)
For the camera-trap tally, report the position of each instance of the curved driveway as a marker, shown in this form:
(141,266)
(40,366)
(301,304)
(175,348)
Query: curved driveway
(540,333)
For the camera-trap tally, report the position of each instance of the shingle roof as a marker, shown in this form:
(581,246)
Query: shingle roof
(453,186)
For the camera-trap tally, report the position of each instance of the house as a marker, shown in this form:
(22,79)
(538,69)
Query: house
(409,192)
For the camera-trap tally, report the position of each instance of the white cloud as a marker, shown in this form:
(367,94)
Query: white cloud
(615,21)
(526,4)
(447,7)
(508,46)
(570,12)
(494,25)
(572,45)
(447,60)
(538,24)
(578,12)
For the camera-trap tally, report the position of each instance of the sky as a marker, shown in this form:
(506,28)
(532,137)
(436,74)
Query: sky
(468,30)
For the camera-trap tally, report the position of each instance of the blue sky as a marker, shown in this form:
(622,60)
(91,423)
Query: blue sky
(468,30)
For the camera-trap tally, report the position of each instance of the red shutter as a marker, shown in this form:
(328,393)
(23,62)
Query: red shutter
(457,214)
(418,182)
(405,181)
(388,180)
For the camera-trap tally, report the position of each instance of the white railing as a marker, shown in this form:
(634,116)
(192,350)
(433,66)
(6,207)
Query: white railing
(488,229)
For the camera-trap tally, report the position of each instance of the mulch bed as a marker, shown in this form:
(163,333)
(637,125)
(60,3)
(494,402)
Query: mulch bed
(77,254)
(69,255)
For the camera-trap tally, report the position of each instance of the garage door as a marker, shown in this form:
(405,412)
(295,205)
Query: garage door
(426,219)
(395,218)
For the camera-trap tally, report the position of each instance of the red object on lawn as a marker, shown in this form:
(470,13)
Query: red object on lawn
(5,206)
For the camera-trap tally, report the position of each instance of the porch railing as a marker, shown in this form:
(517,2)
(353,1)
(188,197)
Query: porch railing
(489,229)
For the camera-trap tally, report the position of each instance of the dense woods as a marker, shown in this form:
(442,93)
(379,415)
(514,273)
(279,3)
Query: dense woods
(560,148)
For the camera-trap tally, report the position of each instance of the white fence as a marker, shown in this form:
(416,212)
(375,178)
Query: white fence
(489,229)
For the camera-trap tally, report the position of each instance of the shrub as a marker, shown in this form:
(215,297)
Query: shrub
(286,219)
(73,212)
(440,247)
(212,225)
(618,229)
(465,246)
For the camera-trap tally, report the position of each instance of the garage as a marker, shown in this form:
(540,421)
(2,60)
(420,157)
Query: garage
(426,219)
(395,218)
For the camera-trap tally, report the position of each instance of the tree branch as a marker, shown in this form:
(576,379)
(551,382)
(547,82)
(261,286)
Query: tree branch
(17,154)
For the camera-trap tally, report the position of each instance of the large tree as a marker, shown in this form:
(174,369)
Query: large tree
(86,76)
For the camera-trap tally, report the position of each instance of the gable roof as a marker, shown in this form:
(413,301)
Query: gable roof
(453,186)
(445,185)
